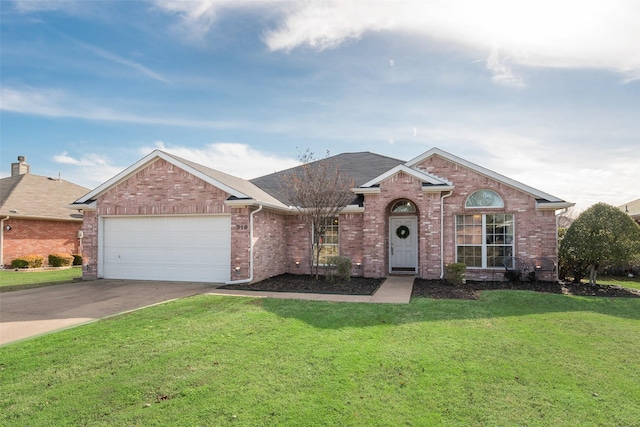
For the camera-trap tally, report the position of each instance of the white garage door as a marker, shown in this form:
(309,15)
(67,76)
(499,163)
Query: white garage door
(177,248)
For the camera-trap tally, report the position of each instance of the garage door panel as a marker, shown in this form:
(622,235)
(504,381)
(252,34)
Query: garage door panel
(167,248)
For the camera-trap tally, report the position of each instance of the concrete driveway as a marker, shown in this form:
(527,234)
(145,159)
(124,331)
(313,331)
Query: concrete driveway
(32,312)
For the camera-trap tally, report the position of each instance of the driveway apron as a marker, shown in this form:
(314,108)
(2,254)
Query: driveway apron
(32,312)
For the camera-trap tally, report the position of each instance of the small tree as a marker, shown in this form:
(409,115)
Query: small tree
(602,235)
(319,191)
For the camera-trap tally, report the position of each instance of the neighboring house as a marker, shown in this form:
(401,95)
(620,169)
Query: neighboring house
(34,216)
(166,218)
(633,209)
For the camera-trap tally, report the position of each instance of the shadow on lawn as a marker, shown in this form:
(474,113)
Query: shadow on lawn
(491,304)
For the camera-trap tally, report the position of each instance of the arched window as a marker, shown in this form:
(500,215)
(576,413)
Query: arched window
(485,199)
(403,206)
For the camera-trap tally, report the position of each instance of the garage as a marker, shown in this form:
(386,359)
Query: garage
(174,248)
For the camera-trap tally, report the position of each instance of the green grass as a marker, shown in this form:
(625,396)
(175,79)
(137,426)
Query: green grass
(509,358)
(626,282)
(11,280)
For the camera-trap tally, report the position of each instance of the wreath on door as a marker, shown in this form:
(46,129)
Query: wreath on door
(402,232)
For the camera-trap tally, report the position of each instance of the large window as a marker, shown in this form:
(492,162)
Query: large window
(328,241)
(483,240)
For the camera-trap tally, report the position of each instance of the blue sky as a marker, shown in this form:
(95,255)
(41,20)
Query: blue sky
(545,92)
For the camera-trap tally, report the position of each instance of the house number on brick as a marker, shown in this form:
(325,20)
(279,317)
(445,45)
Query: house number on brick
(242,227)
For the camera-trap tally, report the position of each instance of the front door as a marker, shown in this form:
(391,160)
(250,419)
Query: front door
(403,244)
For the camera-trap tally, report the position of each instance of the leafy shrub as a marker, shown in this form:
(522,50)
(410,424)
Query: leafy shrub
(60,260)
(28,261)
(339,269)
(454,273)
(77,259)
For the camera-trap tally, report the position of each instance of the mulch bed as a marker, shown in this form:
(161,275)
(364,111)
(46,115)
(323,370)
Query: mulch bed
(437,289)
(308,284)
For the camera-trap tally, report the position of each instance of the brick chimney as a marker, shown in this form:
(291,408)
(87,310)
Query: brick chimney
(20,168)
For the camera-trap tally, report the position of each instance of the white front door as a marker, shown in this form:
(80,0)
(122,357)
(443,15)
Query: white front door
(403,244)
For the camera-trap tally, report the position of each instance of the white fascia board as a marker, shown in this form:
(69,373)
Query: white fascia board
(241,203)
(370,190)
(350,209)
(437,188)
(83,206)
(544,206)
(43,218)
(419,175)
(486,172)
(147,160)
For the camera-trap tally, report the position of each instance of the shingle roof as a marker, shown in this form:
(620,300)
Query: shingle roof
(36,196)
(361,167)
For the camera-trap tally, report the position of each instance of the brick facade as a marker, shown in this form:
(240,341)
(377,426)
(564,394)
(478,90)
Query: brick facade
(282,243)
(39,237)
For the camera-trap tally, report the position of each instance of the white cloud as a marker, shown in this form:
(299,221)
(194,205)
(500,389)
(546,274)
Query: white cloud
(57,103)
(233,158)
(580,174)
(593,34)
(120,60)
(600,34)
(89,170)
(30,6)
(502,73)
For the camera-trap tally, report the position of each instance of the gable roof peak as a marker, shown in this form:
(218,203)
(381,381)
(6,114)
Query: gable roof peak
(540,195)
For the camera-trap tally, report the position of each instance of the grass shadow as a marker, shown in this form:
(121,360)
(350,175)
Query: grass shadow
(491,304)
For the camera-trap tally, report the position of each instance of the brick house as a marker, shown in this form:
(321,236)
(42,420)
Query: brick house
(34,218)
(166,218)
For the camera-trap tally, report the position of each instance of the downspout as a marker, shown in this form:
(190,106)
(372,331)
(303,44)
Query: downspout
(442,233)
(248,280)
(564,211)
(2,241)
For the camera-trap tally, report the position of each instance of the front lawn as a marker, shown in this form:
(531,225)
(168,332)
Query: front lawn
(510,358)
(11,280)
(625,282)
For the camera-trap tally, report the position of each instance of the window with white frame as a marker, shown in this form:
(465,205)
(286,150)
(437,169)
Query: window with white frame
(483,240)
(484,199)
(328,241)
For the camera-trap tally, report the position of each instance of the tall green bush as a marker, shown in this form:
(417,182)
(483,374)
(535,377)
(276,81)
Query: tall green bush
(601,236)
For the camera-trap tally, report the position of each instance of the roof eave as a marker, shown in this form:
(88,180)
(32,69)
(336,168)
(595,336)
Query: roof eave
(552,206)
(369,190)
(245,202)
(42,218)
(90,205)
(437,188)
(486,172)
(149,159)
(417,174)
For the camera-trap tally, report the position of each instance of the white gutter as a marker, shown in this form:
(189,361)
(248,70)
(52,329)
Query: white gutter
(2,241)
(442,233)
(237,282)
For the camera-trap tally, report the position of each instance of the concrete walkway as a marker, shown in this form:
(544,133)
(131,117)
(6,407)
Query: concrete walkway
(394,290)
